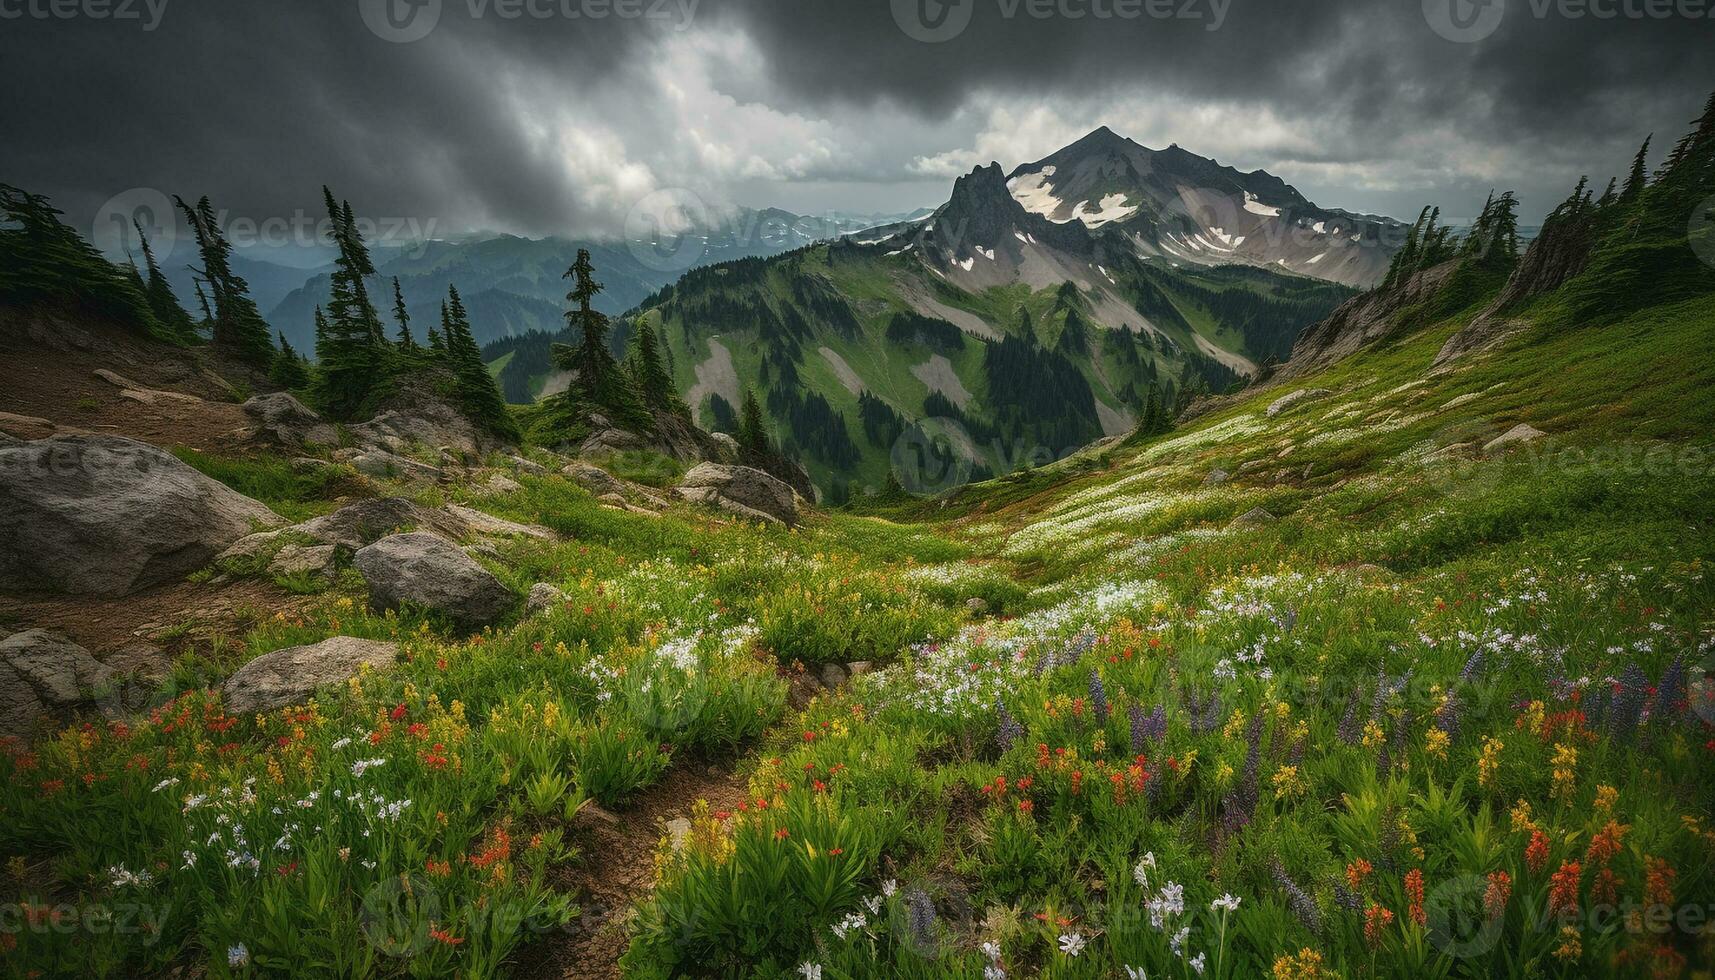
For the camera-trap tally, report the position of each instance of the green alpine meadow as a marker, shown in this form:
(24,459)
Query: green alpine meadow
(633,491)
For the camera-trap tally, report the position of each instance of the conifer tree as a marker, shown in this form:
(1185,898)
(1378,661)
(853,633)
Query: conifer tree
(238,324)
(169,315)
(752,431)
(207,324)
(477,393)
(288,370)
(599,383)
(650,375)
(437,341)
(350,348)
(407,343)
(1638,178)
(43,260)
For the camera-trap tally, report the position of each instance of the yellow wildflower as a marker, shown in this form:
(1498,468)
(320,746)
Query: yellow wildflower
(1436,742)
(1489,764)
(1606,796)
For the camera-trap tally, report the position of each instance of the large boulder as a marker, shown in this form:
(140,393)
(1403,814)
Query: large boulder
(487,525)
(425,570)
(42,673)
(1287,403)
(594,479)
(106,515)
(385,465)
(368,521)
(284,421)
(741,490)
(290,676)
(419,416)
(1515,436)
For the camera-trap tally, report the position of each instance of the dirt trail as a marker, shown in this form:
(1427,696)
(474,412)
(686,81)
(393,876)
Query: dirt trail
(616,871)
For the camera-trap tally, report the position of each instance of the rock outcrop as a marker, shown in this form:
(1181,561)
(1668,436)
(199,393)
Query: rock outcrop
(106,515)
(741,490)
(291,676)
(426,570)
(42,674)
(282,420)
(368,521)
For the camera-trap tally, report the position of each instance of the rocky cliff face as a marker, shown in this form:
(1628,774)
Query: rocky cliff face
(1361,321)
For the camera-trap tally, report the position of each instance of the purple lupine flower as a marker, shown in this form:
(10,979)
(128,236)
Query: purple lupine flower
(1389,842)
(920,919)
(1671,694)
(1010,731)
(1626,706)
(1146,728)
(1239,805)
(1448,719)
(1395,747)
(1301,903)
(1348,730)
(1098,698)
(1044,663)
(1346,898)
(1078,646)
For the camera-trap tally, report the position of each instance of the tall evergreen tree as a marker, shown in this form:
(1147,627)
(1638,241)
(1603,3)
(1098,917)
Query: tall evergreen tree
(238,324)
(169,315)
(407,343)
(752,430)
(288,370)
(351,349)
(599,382)
(475,387)
(650,375)
(1639,176)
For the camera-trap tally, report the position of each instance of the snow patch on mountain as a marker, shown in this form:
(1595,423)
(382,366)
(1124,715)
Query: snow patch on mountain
(1255,206)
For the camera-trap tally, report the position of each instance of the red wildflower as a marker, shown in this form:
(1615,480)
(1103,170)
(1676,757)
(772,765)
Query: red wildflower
(1414,895)
(1499,891)
(1563,888)
(1356,873)
(1536,854)
(782,834)
(398,713)
(1658,882)
(1376,921)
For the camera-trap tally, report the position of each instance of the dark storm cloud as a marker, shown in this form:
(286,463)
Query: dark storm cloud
(259,103)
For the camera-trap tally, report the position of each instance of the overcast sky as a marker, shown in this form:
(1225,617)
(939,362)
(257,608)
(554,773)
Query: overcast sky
(540,117)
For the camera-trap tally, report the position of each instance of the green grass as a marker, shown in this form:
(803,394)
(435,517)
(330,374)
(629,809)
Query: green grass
(973,789)
(294,493)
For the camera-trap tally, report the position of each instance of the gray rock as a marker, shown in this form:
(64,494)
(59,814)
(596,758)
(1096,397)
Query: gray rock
(297,559)
(496,527)
(1255,517)
(497,485)
(284,421)
(251,546)
(1216,477)
(523,465)
(977,605)
(594,479)
(1286,403)
(426,570)
(858,668)
(725,447)
(542,598)
(1515,436)
(832,675)
(368,521)
(427,420)
(43,673)
(106,515)
(291,676)
(749,493)
(391,466)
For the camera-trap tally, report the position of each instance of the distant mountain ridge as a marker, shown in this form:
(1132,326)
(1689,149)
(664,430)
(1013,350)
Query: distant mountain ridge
(1176,205)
